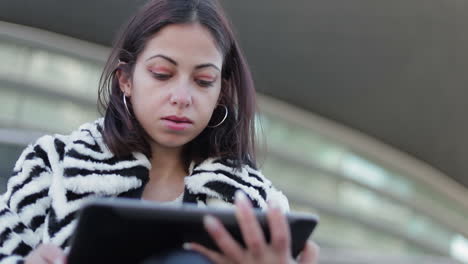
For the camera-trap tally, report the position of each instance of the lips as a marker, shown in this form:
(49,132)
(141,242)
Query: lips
(177,123)
(178,119)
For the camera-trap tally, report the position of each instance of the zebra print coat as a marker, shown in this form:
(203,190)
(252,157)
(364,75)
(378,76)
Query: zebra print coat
(55,176)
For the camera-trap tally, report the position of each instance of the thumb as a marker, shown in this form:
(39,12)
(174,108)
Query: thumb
(53,254)
(310,253)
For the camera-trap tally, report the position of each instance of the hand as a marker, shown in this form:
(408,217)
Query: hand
(46,254)
(257,250)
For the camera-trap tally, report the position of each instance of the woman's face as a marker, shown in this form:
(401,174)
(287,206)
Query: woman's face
(176,84)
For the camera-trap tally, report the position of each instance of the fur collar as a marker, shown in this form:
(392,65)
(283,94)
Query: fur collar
(212,178)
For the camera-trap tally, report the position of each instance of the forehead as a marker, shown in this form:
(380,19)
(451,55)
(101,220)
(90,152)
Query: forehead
(185,43)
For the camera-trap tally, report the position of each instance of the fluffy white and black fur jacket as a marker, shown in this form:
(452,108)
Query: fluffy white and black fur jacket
(54,177)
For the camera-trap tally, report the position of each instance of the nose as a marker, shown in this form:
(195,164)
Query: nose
(181,96)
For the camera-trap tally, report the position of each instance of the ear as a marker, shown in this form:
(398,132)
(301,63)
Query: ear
(125,82)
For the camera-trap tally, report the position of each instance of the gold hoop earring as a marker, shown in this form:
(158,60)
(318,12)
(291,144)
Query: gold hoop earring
(224,118)
(124,98)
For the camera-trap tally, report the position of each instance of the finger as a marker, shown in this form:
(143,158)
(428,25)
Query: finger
(212,255)
(279,229)
(222,238)
(34,259)
(250,228)
(52,254)
(310,253)
(46,254)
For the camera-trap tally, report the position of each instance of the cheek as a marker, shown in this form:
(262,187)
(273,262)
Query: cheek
(210,106)
(141,104)
(209,111)
(144,94)
(137,107)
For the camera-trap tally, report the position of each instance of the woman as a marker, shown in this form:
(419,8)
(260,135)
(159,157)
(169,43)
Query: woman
(179,107)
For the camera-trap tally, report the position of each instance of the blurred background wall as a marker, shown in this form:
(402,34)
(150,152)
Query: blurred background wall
(362,106)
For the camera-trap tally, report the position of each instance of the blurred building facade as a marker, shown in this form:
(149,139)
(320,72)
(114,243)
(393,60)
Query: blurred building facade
(374,204)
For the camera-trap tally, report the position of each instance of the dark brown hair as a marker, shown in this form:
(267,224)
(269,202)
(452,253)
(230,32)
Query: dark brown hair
(234,139)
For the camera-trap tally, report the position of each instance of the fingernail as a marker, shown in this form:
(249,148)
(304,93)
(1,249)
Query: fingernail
(210,222)
(58,261)
(240,196)
(187,246)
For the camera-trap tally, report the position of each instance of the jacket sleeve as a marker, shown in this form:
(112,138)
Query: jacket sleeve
(23,207)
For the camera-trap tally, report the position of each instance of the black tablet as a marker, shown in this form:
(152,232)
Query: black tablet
(129,231)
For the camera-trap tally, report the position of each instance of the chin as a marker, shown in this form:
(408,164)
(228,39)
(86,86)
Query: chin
(173,141)
(173,144)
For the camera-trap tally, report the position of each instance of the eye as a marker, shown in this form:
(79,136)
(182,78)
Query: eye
(204,83)
(161,76)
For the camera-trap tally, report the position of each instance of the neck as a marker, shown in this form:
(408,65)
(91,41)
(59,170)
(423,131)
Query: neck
(166,163)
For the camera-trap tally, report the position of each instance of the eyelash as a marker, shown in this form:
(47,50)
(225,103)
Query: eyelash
(161,77)
(204,83)
(164,77)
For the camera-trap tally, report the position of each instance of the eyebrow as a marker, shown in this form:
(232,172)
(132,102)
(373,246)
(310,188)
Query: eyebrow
(175,63)
(207,65)
(164,57)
